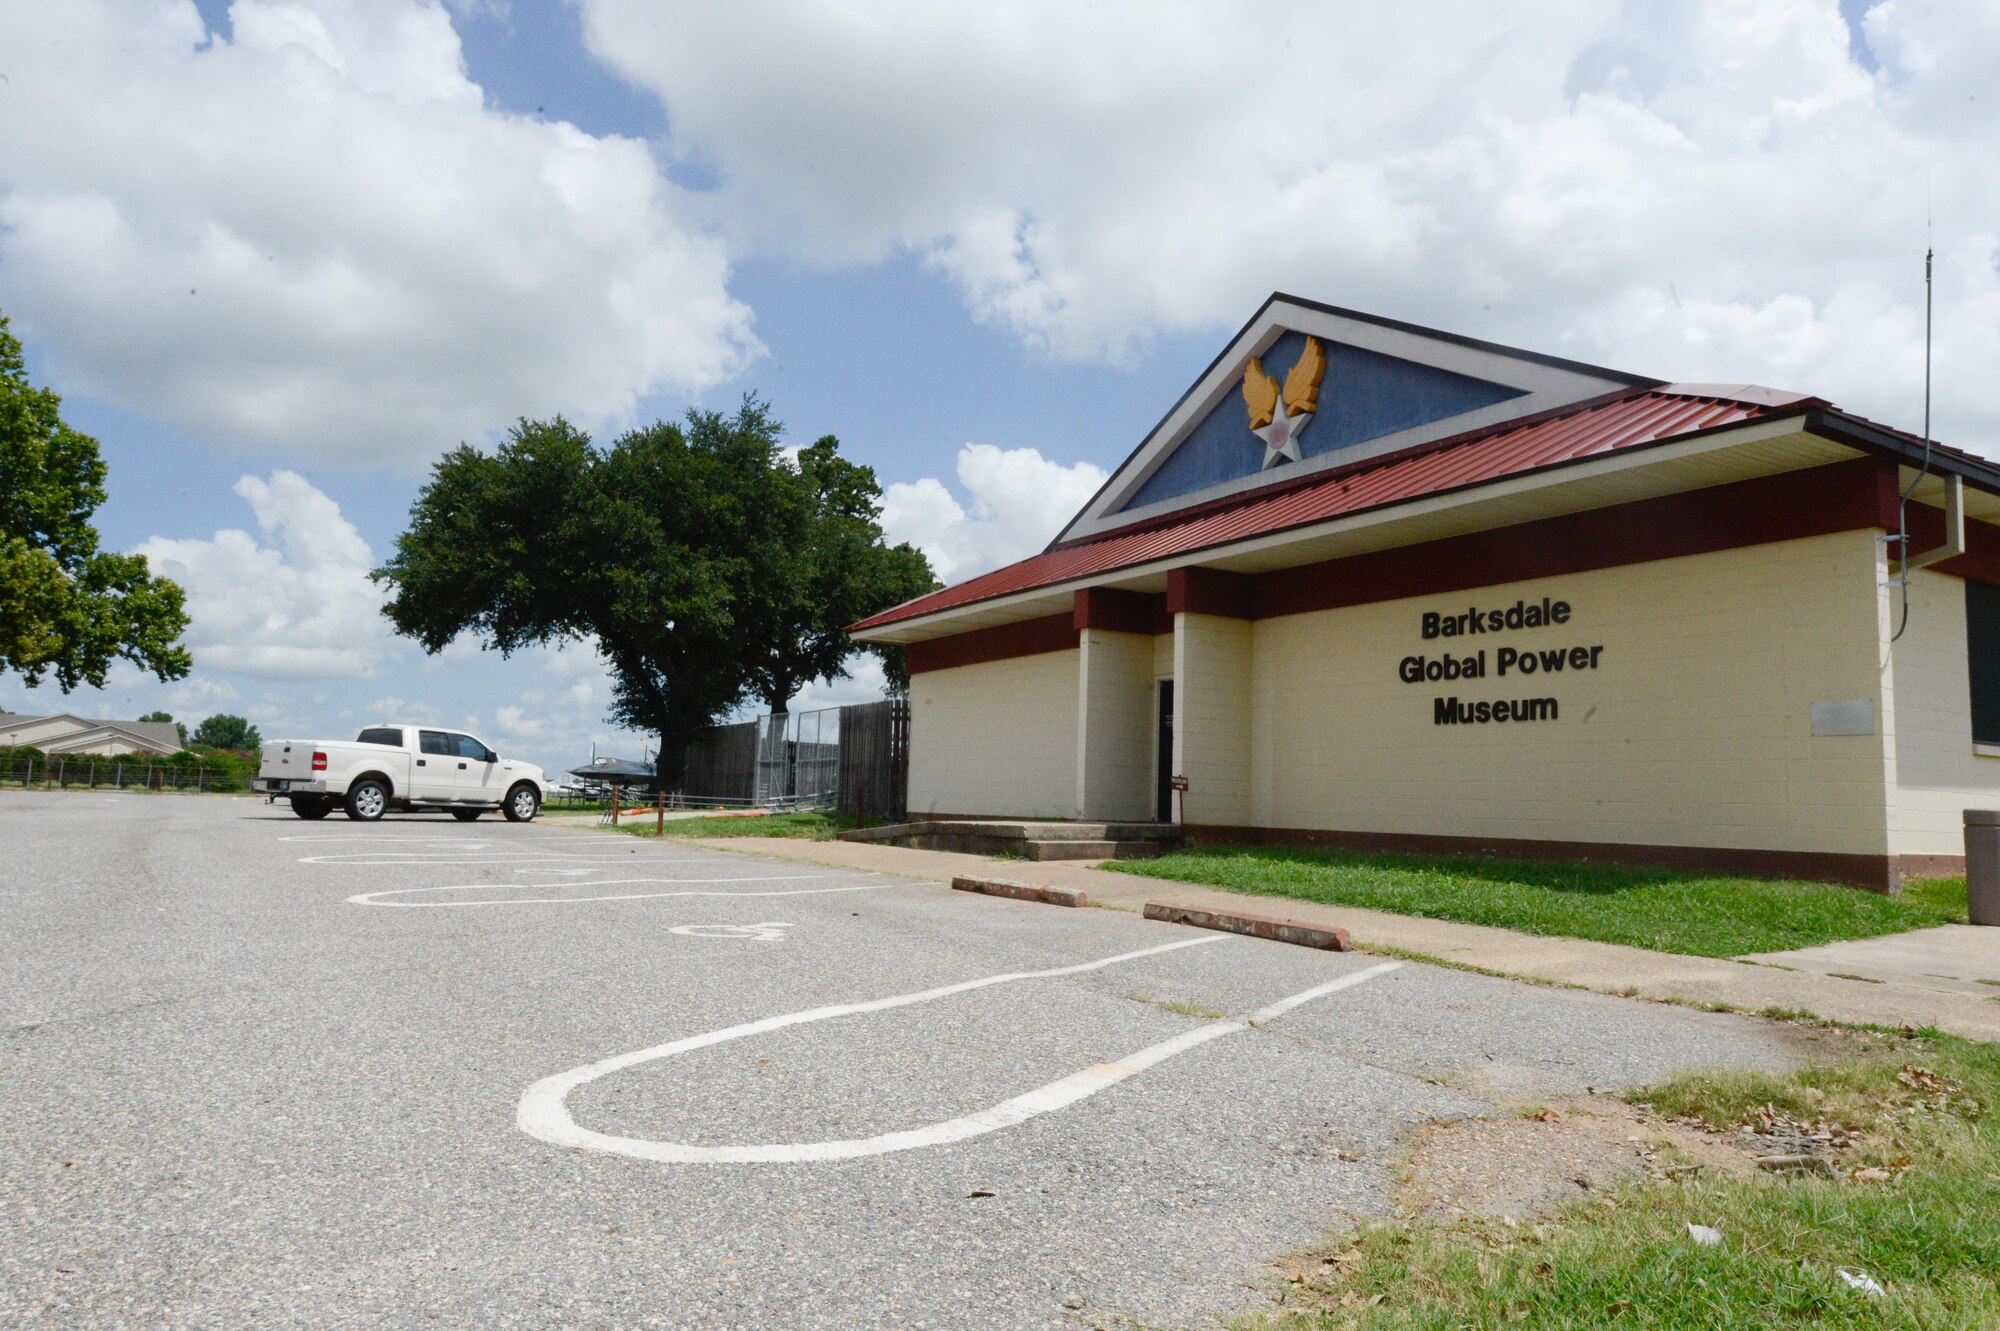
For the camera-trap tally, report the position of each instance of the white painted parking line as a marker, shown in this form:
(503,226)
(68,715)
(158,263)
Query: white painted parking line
(772,931)
(544,1111)
(461,843)
(366,860)
(376,898)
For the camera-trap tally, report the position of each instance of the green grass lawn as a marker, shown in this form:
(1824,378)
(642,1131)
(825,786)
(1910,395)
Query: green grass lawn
(814,826)
(1919,1219)
(1668,911)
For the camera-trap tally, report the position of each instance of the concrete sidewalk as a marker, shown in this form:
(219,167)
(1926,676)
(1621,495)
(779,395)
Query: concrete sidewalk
(1607,967)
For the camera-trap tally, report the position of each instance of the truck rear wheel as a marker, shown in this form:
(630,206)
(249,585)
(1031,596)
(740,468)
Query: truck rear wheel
(313,807)
(367,800)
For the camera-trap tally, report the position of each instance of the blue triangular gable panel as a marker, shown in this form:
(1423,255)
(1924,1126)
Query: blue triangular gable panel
(1364,395)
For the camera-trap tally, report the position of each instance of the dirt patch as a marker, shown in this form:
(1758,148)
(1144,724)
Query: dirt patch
(1511,1165)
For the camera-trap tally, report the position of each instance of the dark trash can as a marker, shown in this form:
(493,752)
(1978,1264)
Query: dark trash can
(1982,866)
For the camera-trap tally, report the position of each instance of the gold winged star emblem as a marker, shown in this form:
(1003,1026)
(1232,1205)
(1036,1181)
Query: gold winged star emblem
(1280,420)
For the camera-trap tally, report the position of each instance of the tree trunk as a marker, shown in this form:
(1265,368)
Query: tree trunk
(670,766)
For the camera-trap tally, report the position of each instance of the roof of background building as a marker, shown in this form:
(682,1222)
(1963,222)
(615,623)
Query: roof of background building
(1566,435)
(161,735)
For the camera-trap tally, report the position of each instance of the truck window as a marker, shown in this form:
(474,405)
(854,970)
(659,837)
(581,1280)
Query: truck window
(436,741)
(390,735)
(468,747)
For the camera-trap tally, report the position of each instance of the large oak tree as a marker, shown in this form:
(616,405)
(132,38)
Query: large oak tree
(66,607)
(706,565)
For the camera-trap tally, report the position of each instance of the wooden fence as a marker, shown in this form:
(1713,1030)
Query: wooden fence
(868,762)
(721,764)
(875,760)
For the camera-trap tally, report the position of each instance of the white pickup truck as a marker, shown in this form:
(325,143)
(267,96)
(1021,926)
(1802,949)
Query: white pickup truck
(399,767)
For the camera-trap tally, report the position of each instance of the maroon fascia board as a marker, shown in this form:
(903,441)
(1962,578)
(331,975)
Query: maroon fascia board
(1211,591)
(1121,611)
(1030,637)
(1841,496)
(1981,560)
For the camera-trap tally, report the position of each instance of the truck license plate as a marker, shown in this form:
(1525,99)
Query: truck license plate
(281,786)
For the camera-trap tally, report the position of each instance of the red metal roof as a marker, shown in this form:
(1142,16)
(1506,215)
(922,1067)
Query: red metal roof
(1646,416)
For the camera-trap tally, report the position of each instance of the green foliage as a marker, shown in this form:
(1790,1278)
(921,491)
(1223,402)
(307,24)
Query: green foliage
(66,607)
(804,826)
(223,731)
(1923,1228)
(705,566)
(1668,911)
(831,568)
(166,717)
(228,773)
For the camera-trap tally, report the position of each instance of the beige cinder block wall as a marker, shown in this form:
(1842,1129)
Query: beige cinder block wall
(1937,774)
(1213,704)
(1114,751)
(996,738)
(1693,729)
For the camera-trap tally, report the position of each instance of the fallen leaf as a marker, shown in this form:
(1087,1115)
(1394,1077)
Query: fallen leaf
(1870,1174)
(1547,1116)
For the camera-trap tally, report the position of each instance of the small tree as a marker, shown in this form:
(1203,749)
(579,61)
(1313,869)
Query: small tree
(66,607)
(223,731)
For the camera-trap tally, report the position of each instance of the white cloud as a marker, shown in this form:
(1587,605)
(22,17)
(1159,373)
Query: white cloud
(864,683)
(292,602)
(1708,191)
(316,235)
(1018,500)
(286,630)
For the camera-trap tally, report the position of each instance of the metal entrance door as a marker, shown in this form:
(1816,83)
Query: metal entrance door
(1163,799)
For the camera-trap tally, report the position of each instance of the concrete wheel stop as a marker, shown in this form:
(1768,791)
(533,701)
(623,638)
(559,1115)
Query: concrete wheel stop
(1254,926)
(1000,887)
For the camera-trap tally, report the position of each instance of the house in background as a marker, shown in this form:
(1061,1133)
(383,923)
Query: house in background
(67,733)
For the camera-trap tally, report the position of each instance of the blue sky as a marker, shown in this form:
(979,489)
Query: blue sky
(279,256)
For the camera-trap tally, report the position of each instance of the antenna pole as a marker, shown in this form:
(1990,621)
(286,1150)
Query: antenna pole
(1927,355)
(1902,578)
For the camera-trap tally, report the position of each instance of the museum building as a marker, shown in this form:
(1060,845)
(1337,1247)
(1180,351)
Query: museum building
(1378,586)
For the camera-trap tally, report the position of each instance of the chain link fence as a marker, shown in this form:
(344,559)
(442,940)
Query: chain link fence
(94,773)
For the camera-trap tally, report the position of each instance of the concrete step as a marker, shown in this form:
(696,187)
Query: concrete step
(1094,850)
(1018,830)
(1031,840)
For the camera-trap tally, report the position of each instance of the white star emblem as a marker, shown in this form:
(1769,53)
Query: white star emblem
(1281,436)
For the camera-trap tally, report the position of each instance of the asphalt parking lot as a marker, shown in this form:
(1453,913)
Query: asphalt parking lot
(260,1072)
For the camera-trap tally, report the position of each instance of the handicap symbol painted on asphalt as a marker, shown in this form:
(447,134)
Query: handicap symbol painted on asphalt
(771,932)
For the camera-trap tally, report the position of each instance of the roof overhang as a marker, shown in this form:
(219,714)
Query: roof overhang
(1742,452)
